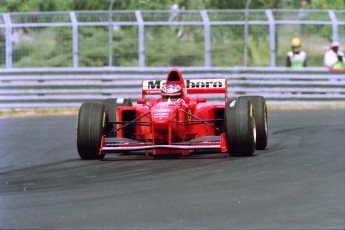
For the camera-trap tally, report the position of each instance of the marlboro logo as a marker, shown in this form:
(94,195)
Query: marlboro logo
(190,84)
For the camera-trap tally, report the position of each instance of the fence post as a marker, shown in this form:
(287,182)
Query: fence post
(110,35)
(245,55)
(75,38)
(334,25)
(8,23)
(140,38)
(207,38)
(270,18)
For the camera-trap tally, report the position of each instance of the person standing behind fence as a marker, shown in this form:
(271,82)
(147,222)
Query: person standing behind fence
(296,58)
(334,58)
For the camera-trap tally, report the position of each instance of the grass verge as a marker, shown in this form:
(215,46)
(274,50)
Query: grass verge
(35,112)
(306,107)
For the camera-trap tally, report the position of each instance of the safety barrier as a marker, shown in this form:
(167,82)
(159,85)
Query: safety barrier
(69,87)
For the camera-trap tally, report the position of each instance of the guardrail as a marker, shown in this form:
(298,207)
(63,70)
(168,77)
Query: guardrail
(69,87)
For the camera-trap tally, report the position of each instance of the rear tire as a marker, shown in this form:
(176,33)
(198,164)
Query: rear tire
(110,106)
(239,127)
(260,114)
(90,129)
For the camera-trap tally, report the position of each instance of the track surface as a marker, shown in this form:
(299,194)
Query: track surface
(297,183)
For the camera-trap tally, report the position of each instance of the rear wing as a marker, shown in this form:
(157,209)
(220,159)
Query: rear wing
(203,86)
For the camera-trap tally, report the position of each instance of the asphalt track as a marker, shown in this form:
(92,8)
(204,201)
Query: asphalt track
(298,183)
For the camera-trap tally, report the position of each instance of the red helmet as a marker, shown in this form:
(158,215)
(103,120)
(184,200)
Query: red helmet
(172,91)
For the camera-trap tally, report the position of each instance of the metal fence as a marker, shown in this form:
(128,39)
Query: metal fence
(69,87)
(206,38)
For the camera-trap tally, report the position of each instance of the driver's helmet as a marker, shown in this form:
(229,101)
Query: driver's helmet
(172,91)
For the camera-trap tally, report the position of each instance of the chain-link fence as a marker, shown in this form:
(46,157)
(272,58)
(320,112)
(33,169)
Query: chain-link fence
(165,38)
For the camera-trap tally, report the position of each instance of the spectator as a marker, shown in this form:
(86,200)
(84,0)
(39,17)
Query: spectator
(296,58)
(334,58)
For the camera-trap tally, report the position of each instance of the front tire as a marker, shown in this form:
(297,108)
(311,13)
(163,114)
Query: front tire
(240,127)
(90,129)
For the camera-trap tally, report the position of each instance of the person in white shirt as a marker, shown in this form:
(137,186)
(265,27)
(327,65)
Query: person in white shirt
(334,58)
(296,58)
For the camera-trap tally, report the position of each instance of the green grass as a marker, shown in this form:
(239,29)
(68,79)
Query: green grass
(52,47)
(35,112)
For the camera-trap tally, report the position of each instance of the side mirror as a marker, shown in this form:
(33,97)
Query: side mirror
(201,99)
(141,101)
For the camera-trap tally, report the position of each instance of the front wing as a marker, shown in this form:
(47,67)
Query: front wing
(114,145)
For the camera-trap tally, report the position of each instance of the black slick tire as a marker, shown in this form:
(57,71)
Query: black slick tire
(260,114)
(90,129)
(239,127)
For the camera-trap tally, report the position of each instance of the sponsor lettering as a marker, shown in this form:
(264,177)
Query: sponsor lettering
(154,85)
(203,84)
(163,110)
(190,84)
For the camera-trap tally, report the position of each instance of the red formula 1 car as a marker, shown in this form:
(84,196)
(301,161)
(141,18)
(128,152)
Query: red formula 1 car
(173,123)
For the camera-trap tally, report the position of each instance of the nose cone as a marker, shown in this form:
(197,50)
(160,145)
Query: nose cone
(162,123)
(162,115)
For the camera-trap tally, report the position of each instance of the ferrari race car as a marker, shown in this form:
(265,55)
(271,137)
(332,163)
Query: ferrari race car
(172,122)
